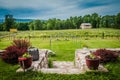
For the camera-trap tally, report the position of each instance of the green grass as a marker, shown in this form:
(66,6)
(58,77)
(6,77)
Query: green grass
(65,51)
(7,72)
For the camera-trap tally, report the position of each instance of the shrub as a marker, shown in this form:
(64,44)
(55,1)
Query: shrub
(18,48)
(21,43)
(50,63)
(106,55)
(11,54)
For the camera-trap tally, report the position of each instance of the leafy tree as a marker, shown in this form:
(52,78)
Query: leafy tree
(31,26)
(107,21)
(57,24)
(9,22)
(78,21)
(1,27)
(95,20)
(87,19)
(22,26)
(51,24)
(117,19)
(44,25)
(37,25)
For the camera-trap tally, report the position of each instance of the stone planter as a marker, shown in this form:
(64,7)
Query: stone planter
(34,52)
(25,62)
(92,63)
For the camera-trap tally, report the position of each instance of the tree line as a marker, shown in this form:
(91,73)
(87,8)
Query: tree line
(97,21)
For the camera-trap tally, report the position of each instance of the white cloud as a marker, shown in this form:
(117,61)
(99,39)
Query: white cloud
(34,4)
(60,8)
(73,10)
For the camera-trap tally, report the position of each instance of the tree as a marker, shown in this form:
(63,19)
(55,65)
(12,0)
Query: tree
(22,26)
(37,25)
(117,19)
(57,24)
(9,22)
(95,20)
(1,26)
(78,21)
(51,24)
(31,26)
(87,19)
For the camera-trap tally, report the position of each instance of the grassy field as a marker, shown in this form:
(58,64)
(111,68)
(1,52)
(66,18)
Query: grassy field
(64,43)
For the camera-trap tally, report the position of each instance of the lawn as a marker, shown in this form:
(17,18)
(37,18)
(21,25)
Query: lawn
(7,72)
(65,49)
(64,46)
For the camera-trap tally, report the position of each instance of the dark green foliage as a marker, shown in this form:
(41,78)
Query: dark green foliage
(50,64)
(9,22)
(1,27)
(37,25)
(97,21)
(117,20)
(22,26)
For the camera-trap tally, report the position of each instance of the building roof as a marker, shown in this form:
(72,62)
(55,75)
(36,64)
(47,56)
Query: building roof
(86,24)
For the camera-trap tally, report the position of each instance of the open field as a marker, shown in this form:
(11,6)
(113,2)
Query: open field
(64,45)
(65,42)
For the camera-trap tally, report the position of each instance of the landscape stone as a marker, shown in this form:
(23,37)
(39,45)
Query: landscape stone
(66,67)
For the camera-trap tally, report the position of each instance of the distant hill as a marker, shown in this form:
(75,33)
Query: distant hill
(21,20)
(18,20)
(24,20)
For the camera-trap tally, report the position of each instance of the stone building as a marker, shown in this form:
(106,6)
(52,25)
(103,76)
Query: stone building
(86,26)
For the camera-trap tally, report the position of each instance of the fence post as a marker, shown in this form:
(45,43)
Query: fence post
(29,37)
(103,34)
(50,42)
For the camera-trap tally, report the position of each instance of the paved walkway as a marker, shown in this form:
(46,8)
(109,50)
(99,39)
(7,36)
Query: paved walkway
(62,67)
(63,64)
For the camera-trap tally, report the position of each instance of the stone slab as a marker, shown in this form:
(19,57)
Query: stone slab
(35,64)
(63,64)
(80,61)
(66,67)
(22,70)
(61,71)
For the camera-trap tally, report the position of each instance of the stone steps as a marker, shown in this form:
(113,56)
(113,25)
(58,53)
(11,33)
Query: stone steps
(63,64)
(63,67)
(61,71)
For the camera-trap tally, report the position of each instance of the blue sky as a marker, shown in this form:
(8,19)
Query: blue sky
(62,9)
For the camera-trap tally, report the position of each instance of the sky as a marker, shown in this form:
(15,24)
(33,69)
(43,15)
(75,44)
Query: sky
(61,9)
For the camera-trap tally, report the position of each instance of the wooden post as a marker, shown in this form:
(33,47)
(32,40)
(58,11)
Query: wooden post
(29,37)
(103,34)
(50,42)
